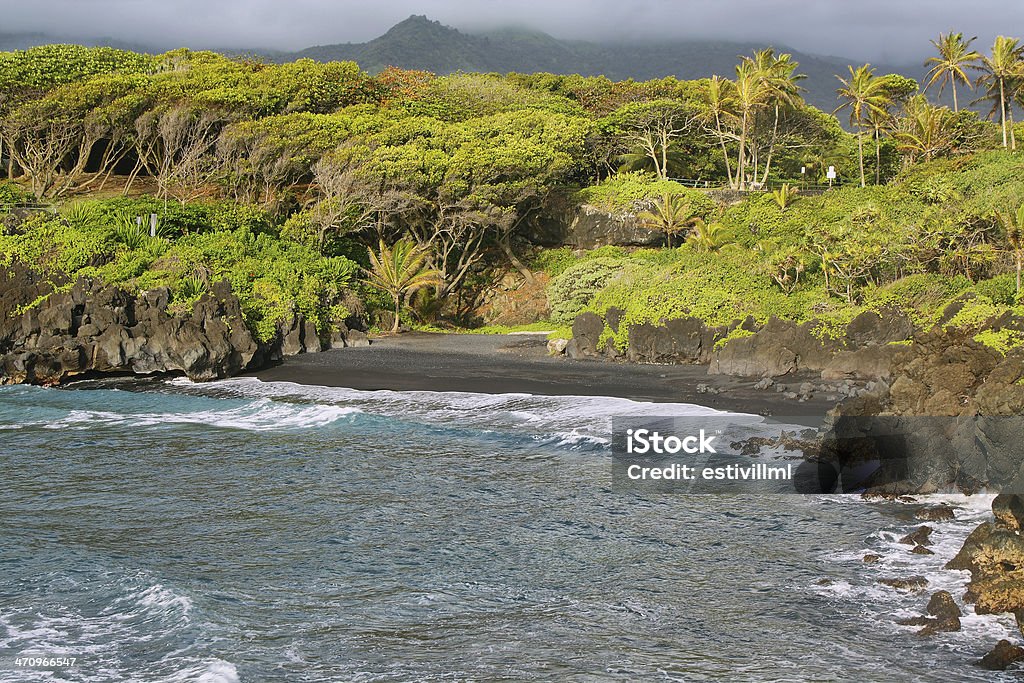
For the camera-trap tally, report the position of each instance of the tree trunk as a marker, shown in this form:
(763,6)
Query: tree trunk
(725,151)
(741,167)
(956,106)
(878,156)
(398,309)
(1002,112)
(1013,133)
(505,242)
(860,155)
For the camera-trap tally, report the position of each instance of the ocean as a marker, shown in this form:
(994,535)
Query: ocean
(246,531)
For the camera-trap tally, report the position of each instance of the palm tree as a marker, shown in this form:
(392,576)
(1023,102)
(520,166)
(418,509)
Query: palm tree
(750,95)
(864,94)
(1000,74)
(924,132)
(400,271)
(785,196)
(948,67)
(706,236)
(1013,224)
(670,214)
(779,82)
(719,100)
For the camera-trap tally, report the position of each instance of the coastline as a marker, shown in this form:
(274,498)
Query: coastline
(520,364)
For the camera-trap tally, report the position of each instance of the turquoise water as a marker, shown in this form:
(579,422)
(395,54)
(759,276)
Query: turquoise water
(242,531)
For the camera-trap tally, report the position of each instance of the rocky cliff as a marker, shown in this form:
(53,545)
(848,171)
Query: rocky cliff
(49,336)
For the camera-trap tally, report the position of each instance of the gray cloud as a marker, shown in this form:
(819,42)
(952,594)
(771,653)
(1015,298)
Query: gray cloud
(878,30)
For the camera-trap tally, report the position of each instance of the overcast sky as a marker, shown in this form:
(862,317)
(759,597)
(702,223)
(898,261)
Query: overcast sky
(878,30)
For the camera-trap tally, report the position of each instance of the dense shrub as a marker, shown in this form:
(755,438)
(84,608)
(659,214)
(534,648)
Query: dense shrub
(573,290)
(273,278)
(632,191)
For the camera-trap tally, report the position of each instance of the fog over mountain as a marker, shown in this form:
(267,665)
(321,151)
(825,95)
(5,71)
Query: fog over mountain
(892,31)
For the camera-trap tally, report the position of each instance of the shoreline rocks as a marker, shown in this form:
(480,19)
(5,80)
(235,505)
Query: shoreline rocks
(48,337)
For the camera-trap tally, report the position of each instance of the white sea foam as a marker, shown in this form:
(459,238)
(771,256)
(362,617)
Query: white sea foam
(211,671)
(259,415)
(885,605)
(164,599)
(567,420)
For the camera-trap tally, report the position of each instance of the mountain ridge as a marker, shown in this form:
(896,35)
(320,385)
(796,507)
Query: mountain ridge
(420,43)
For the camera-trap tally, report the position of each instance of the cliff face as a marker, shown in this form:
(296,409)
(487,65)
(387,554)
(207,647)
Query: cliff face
(48,337)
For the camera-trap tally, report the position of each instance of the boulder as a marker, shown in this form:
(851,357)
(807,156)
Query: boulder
(911,583)
(357,339)
(586,333)
(943,616)
(311,338)
(556,347)
(592,227)
(1009,511)
(1002,656)
(936,514)
(682,340)
(879,328)
(779,348)
(918,537)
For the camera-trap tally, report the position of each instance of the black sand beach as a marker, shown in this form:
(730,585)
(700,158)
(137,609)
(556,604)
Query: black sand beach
(499,364)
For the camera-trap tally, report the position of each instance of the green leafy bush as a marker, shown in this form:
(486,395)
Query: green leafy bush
(573,290)
(631,191)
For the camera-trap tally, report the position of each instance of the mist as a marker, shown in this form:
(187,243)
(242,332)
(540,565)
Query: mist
(871,30)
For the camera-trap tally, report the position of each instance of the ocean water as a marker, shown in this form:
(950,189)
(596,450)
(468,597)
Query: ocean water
(240,531)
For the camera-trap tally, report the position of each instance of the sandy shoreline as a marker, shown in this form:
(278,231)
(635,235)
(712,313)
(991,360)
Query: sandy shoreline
(499,364)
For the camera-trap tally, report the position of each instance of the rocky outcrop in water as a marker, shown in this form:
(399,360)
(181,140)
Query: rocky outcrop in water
(90,328)
(994,555)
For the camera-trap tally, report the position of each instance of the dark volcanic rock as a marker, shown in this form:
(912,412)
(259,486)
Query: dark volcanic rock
(1002,655)
(870,328)
(1009,511)
(918,537)
(94,328)
(869,362)
(682,340)
(591,227)
(912,583)
(921,550)
(779,348)
(586,333)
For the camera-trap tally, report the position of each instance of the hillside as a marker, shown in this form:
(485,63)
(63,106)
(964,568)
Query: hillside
(419,43)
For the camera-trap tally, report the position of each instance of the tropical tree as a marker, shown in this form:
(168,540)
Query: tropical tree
(650,129)
(924,131)
(707,236)
(1001,75)
(750,95)
(1013,225)
(718,100)
(670,214)
(779,80)
(864,93)
(400,271)
(949,66)
(785,196)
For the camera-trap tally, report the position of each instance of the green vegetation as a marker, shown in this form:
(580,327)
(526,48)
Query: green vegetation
(292,180)
(400,271)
